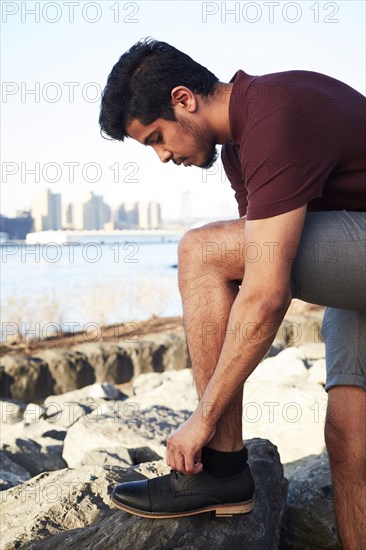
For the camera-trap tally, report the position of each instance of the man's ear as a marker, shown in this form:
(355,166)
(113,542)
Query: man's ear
(183,97)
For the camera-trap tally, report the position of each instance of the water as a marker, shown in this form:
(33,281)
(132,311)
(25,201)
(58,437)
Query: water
(65,286)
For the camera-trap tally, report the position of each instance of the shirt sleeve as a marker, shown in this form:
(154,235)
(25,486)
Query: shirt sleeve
(286,158)
(231,162)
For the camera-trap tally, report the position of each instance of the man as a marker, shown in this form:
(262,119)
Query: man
(294,151)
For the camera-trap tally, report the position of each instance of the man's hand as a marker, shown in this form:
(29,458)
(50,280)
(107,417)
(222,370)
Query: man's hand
(184,446)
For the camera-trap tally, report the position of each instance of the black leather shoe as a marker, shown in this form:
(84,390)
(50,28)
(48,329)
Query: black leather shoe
(177,495)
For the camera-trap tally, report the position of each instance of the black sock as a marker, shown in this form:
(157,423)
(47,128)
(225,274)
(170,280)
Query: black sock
(222,463)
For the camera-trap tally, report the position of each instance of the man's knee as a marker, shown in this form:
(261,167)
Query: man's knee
(190,244)
(212,233)
(216,246)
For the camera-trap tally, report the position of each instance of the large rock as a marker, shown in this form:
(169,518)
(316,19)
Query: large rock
(309,520)
(318,372)
(292,416)
(287,366)
(70,369)
(65,409)
(11,410)
(111,363)
(175,390)
(71,508)
(158,353)
(11,474)
(118,456)
(33,413)
(172,352)
(54,502)
(296,330)
(25,378)
(122,425)
(312,351)
(36,447)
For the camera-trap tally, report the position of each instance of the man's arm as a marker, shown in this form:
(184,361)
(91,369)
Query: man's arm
(259,309)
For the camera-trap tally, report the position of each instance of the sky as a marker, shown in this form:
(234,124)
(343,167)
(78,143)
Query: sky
(56,57)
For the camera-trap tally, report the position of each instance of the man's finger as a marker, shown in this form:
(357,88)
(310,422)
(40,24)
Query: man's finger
(189,463)
(179,461)
(169,457)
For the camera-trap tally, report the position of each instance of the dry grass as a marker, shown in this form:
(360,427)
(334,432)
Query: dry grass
(101,303)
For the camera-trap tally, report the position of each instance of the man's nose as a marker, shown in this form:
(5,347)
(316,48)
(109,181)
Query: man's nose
(164,155)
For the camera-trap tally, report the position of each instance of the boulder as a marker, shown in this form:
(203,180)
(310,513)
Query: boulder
(37,447)
(71,508)
(11,411)
(281,411)
(118,456)
(287,366)
(105,391)
(33,413)
(142,354)
(111,363)
(11,474)
(139,455)
(275,348)
(54,502)
(318,372)
(65,409)
(175,390)
(25,378)
(124,425)
(312,351)
(158,353)
(63,413)
(87,394)
(309,520)
(69,369)
(171,352)
(296,330)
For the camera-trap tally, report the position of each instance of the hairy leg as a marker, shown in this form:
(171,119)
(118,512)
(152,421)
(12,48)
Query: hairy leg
(211,265)
(345,435)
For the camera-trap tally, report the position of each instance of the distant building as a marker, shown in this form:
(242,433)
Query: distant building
(16,228)
(66,216)
(154,215)
(90,212)
(125,217)
(138,215)
(46,211)
(143,215)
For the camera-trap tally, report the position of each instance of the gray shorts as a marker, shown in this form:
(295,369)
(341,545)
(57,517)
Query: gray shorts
(330,270)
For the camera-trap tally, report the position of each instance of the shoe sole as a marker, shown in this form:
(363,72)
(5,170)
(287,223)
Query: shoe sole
(224,511)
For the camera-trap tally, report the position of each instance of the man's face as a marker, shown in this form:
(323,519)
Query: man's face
(181,141)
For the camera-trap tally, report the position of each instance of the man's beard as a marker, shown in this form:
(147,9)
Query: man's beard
(210,158)
(200,140)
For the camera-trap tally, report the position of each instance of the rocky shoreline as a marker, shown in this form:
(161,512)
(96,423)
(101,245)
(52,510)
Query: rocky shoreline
(75,421)
(31,370)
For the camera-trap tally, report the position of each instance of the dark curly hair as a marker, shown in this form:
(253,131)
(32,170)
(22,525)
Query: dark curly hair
(140,84)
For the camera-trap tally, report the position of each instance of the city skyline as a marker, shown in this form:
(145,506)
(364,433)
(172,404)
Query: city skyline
(87,212)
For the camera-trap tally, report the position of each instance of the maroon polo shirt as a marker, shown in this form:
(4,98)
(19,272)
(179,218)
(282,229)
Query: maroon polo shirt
(298,137)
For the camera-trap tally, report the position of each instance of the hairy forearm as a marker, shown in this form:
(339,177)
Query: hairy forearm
(258,324)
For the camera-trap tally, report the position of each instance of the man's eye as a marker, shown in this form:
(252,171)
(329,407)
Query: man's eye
(156,139)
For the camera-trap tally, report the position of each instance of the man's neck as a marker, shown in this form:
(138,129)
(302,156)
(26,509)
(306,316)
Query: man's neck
(217,112)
